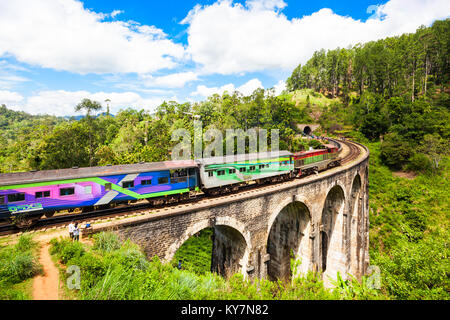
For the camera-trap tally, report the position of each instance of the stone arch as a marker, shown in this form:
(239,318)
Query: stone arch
(331,234)
(289,232)
(230,251)
(356,224)
(191,230)
(284,203)
(231,246)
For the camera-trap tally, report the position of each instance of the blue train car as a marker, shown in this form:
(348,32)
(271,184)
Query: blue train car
(33,194)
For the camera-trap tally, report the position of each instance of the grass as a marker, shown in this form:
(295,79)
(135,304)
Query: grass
(18,265)
(315,98)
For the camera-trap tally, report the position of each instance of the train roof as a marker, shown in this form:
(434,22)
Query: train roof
(243,157)
(79,173)
(303,153)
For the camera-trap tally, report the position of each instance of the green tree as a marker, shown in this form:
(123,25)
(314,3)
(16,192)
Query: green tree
(435,148)
(89,106)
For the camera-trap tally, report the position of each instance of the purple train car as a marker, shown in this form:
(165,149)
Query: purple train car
(37,193)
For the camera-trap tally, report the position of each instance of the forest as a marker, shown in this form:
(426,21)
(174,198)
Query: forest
(391,95)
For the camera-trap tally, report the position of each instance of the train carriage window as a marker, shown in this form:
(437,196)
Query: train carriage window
(16,197)
(128,184)
(221,172)
(210,174)
(108,186)
(2,199)
(179,175)
(261,166)
(252,168)
(191,171)
(146,182)
(242,169)
(88,189)
(42,194)
(231,171)
(66,191)
(163,180)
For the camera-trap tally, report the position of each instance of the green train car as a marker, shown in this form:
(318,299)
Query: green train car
(222,174)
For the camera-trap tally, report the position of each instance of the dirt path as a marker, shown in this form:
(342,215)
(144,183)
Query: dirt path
(45,287)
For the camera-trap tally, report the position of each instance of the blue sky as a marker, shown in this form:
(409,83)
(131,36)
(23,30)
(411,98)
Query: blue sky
(140,53)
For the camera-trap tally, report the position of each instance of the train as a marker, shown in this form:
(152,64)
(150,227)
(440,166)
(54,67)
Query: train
(26,197)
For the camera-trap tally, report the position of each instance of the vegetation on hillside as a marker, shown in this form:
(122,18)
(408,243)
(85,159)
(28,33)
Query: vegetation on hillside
(394,89)
(112,269)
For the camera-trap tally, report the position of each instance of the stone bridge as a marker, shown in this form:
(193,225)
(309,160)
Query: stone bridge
(322,221)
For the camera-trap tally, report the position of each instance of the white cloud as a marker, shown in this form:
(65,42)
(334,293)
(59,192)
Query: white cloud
(279,87)
(62,102)
(8,78)
(63,35)
(9,97)
(246,89)
(115,13)
(228,37)
(175,80)
(266,4)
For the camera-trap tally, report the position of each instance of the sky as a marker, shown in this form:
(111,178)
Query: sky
(54,53)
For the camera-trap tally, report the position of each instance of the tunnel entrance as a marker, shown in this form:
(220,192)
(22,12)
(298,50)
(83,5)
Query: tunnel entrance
(331,233)
(307,130)
(219,249)
(289,241)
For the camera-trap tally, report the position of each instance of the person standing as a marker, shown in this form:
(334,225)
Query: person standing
(71,226)
(76,232)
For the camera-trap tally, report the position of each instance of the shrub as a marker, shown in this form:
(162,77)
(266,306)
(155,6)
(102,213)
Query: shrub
(92,269)
(395,152)
(25,243)
(106,241)
(66,250)
(18,263)
(419,163)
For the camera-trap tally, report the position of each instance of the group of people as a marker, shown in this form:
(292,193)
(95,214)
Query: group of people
(74,231)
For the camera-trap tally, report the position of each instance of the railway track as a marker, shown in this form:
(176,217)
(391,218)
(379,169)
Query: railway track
(354,152)
(140,209)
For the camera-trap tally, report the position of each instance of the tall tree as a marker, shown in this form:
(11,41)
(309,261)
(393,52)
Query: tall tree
(89,106)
